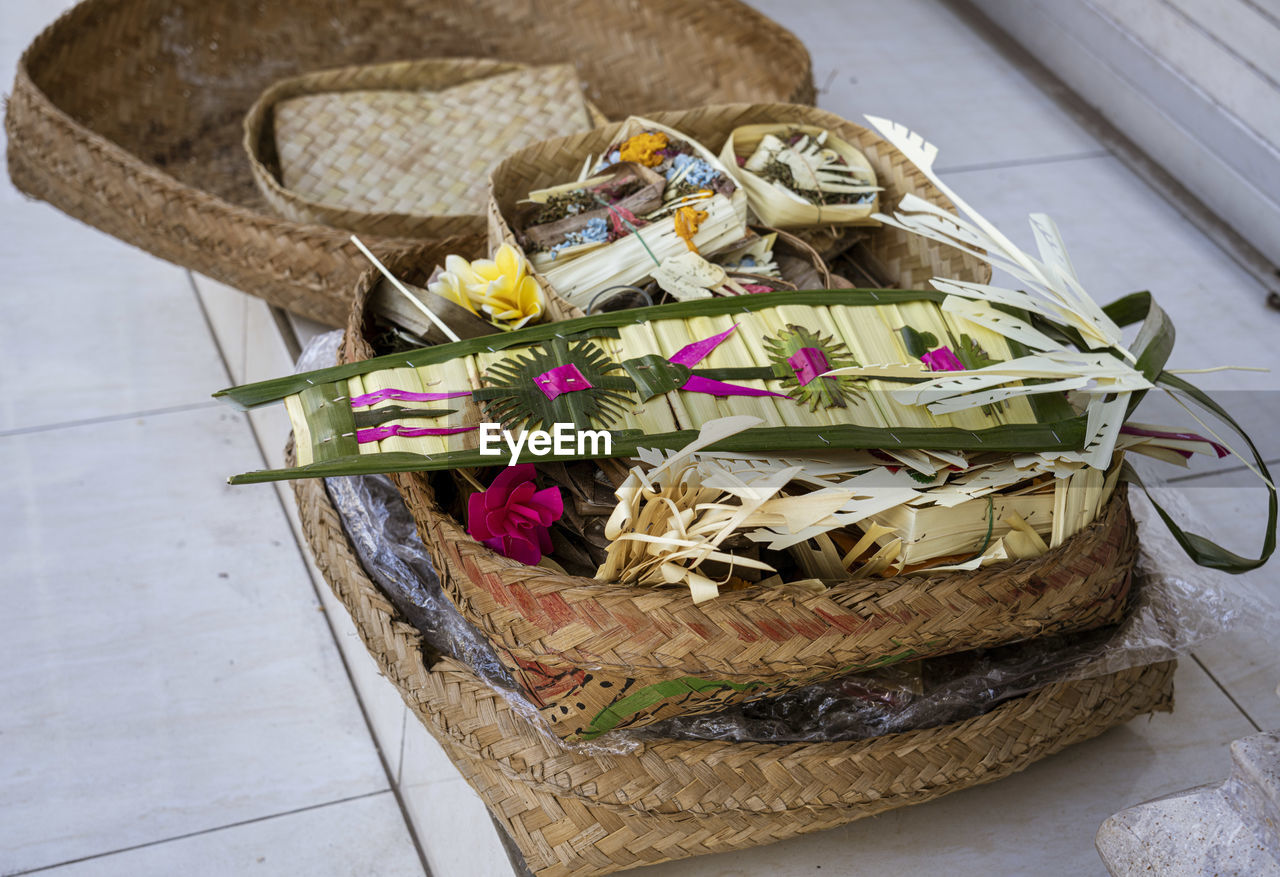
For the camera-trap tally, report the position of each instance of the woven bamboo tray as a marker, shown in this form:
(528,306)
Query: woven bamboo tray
(893,256)
(576,815)
(147,148)
(590,653)
(464,142)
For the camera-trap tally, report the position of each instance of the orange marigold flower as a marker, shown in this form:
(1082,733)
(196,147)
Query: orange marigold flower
(688,219)
(642,148)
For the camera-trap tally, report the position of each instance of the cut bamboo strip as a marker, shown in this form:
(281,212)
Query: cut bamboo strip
(671,336)
(872,343)
(355,387)
(789,413)
(301,429)
(448,377)
(627,418)
(396,379)
(651,416)
(1016,410)
(733,352)
(927,317)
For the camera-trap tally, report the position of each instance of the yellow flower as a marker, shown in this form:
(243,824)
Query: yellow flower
(500,289)
(688,219)
(642,148)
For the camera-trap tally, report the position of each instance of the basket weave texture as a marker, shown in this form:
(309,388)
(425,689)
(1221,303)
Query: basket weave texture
(579,646)
(900,259)
(148,147)
(403,149)
(577,815)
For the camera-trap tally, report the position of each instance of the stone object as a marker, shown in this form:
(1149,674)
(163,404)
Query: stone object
(1232,828)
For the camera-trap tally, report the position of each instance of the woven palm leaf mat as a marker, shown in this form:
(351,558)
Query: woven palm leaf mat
(577,815)
(420,152)
(148,148)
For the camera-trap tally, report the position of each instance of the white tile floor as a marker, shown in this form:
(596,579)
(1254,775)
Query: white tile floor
(178,699)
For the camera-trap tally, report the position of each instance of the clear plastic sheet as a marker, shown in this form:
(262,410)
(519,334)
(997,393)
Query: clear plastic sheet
(1178,606)
(386,540)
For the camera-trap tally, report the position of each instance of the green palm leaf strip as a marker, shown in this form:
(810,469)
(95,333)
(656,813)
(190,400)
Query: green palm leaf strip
(379,416)
(333,427)
(1022,437)
(597,325)
(624,708)
(514,399)
(1152,347)
(824,392)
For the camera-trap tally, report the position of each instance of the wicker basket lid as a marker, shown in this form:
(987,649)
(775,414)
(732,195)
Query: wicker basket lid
(348,158)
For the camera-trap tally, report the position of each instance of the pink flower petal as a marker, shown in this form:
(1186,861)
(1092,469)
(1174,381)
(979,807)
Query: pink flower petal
(476,516)
(942,360)
(521,494)
(521,518)
(550,502)
(511,476)
(512,515)
(523,550)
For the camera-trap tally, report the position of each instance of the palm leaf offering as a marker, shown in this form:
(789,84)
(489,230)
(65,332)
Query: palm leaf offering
(799,176)
(654,194)
(837,516)
(753,436)
(653,377)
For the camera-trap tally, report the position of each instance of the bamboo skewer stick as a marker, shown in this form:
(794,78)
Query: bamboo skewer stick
(395,281)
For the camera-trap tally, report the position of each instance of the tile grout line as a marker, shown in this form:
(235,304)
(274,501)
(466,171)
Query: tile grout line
(244,331)
(1183,479)
(199,832)
(1025,162)
(108,418)
(1214,679)
(404,727)
(1208,34)
(394,787)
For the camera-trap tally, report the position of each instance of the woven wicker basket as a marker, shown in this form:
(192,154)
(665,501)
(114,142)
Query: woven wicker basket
(892,255)
(576,815)
(581,647)
(147,148)
(518,114)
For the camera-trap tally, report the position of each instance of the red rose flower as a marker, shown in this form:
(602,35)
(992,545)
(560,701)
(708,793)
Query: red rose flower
(512,517)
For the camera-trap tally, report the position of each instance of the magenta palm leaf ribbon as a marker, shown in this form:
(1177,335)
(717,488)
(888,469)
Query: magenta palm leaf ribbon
(943,359)
(562,379)
(692,354)
(378,433)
